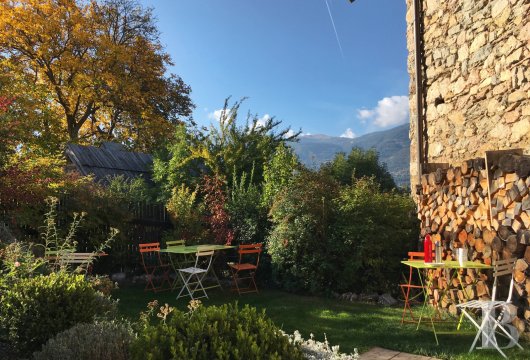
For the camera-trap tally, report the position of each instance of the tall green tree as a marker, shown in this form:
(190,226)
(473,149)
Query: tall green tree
(102,66)
(279,172)
(358,164)
(225,149)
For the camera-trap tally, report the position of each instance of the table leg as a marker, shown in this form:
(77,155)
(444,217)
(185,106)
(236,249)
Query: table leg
(425,301)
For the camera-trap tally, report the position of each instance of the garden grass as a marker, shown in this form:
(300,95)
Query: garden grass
(350,325)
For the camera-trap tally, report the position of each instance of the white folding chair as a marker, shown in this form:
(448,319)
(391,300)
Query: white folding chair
(490,322)
(204,259)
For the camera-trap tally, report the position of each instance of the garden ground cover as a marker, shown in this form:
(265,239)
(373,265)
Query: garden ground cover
(350,325)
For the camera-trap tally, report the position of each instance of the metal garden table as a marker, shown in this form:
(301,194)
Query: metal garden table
(446,265)
(181,250)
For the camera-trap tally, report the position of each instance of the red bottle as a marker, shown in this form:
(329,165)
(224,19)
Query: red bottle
(427,249)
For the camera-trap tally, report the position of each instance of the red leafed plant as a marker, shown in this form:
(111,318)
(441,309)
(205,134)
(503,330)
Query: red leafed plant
(217,218)
(4,103)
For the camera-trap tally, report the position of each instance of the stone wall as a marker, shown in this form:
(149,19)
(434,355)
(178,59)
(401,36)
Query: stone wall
(476,78)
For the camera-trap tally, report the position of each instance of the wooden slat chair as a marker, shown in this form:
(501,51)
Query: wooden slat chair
(153,265)
(203,261)
(410,287)
(490,322)
(81,261)
(246,270)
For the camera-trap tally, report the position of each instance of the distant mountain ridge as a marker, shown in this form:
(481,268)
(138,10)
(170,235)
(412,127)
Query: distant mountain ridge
(393,146)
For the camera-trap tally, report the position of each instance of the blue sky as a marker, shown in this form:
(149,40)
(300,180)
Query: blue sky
(285,57)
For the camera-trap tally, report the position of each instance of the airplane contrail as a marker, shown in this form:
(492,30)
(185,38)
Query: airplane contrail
(335,29)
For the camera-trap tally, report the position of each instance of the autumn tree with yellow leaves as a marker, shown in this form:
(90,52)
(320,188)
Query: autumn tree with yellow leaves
(99,68)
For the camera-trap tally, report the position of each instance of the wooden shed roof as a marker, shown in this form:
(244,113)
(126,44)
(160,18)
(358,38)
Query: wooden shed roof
(109,160)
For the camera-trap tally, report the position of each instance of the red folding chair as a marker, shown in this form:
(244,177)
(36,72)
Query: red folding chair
(408,287)
(153,265)
(246,271)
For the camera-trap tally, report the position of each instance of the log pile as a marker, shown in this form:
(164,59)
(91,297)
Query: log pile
(484,207)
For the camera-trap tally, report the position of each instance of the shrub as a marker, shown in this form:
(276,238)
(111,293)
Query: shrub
(186,214)
(214,332)
(376,229)
(301,242)
(247,214)
(327,238)
(217,218)
(316,350)
(35,309)
(357,164)
(99,341)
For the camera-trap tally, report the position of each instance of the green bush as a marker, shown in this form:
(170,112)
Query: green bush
(214,332)
(98,341)
(374,231)
(359,164)
(186,215)
(329,238)
(247,214)
(301,240)
(35,309)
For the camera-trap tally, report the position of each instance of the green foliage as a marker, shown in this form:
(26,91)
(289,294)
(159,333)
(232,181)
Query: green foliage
(326,238)
(358,164)
(129,190)
(278,172)
(34,309)
(214,332)
(300,242)
(54,240)
(223,149)
(247,215)
(173,165)
(99,341)
(186,214)
(375,230)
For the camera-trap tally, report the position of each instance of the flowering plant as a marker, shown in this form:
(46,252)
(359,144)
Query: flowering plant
(316,350)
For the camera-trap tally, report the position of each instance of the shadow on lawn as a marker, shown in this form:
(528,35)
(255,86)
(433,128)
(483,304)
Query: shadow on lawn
(350,325)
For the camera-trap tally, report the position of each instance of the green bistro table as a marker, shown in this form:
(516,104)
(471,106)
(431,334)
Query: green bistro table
(446,265)
(178,261)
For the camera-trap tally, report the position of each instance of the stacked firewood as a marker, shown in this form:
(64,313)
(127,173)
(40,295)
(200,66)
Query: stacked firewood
(483,206)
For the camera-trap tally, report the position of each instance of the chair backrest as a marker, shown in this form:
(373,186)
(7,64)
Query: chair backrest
(503,268)
(76,258)
(175,243)
(82,260)
(203,257)
(149,247)
(150,252)
(250,249)
(416,255)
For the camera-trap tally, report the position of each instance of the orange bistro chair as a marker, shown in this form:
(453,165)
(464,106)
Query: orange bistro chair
(246,270)
(407,287)
(152,264)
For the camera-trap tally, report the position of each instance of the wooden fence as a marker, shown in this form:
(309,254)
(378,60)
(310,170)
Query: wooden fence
(145,223)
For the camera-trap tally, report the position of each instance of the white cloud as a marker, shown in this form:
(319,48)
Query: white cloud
(262,120)
(216,115)
(348,134)
(365,113)
(289,133)
(390,111)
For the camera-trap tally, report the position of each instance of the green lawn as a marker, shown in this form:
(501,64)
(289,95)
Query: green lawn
(350,325)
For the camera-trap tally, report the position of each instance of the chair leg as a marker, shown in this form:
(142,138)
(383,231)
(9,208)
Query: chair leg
(406,305)
(254,282)
(184,286)
(489,337)
(199,285)
(150,284)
